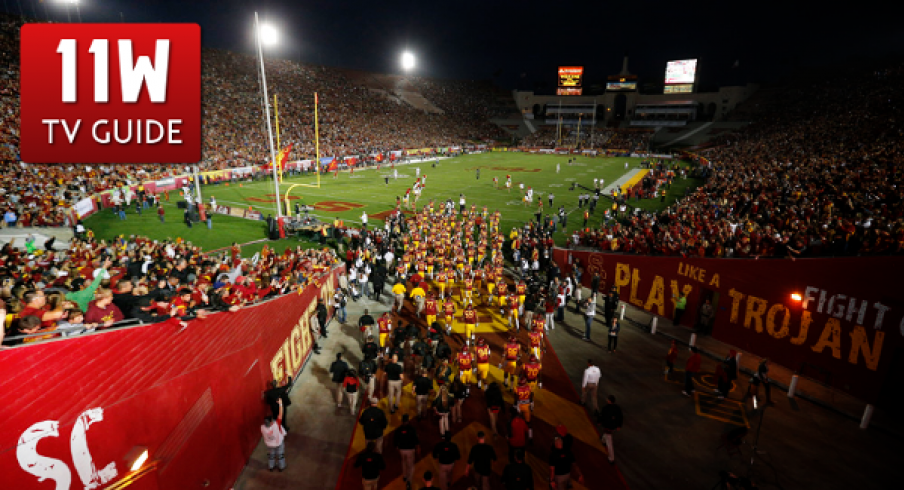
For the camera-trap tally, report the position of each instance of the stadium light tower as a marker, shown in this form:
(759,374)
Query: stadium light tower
(269,35)
(408,61)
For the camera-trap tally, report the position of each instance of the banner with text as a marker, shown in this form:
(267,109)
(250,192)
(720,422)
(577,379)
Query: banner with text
(839,320)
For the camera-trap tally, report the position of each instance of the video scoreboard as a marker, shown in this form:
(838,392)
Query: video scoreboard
(571,80)
(680,76)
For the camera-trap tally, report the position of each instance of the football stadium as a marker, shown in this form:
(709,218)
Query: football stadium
(302,251)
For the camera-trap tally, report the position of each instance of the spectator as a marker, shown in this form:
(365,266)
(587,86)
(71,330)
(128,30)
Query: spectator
(691,368)
(102,310)
(611,420)
(277,398)
(274,438)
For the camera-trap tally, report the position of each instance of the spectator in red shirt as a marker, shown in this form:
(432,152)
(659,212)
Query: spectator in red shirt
(36,305)
(102,310)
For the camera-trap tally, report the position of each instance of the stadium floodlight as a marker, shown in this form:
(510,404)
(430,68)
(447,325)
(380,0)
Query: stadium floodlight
(269,36)
(407,61)
(77,10)
(260,52)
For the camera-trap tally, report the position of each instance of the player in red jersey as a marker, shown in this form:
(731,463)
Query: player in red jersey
(531,372)
(483,362)
(470,318)
(523,400)
(385,324)
(430,308)
(511,352)
(441,282)
(536,341)
(513,307)
(449,314)
(465,366)
(468,290)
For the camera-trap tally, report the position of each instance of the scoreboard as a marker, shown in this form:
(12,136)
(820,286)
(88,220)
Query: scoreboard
(570,80)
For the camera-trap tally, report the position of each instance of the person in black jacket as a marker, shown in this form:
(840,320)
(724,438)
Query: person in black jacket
(518,475)
(406,440)
(480,461)
(610,419)
(373,421)
(276,393)
(146,312)
(321,317)
(368,370)
(338,369)
(422,387)
(370,349)
(446,453)
(371,463)
(495,404)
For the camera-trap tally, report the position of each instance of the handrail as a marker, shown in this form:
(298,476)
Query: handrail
(129,322)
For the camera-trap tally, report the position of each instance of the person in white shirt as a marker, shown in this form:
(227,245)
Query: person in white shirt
(363,279)
(589,385)
(364,219)
(589,312)
(389,257)
(275,440)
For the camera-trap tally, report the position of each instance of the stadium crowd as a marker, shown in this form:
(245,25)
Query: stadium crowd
(93,284)
(353,122)
(818,174)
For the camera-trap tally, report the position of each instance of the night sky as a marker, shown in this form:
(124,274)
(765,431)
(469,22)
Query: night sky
(519,44)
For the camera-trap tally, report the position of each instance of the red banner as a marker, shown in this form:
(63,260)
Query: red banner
(72,409)
(839,320)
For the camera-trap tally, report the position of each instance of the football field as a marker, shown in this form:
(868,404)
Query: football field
(349,195)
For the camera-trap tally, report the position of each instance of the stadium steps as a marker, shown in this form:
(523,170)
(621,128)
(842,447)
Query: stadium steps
(688,134)
(418,101)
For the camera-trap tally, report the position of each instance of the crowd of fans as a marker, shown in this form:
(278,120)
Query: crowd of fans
(817,174)
(93,284)
(353,122)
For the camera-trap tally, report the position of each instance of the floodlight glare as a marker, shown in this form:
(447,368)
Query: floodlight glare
(269,35)
(407,61)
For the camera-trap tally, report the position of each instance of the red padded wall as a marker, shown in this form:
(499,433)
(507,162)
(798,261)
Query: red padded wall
(192,396)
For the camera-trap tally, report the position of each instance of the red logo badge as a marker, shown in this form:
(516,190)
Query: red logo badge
(110,93)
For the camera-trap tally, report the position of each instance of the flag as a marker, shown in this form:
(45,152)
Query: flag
(282,157)
(331,162)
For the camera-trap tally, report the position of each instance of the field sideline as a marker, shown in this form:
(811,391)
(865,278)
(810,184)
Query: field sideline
(349,195)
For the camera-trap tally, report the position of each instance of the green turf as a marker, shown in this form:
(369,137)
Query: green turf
(367,190)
